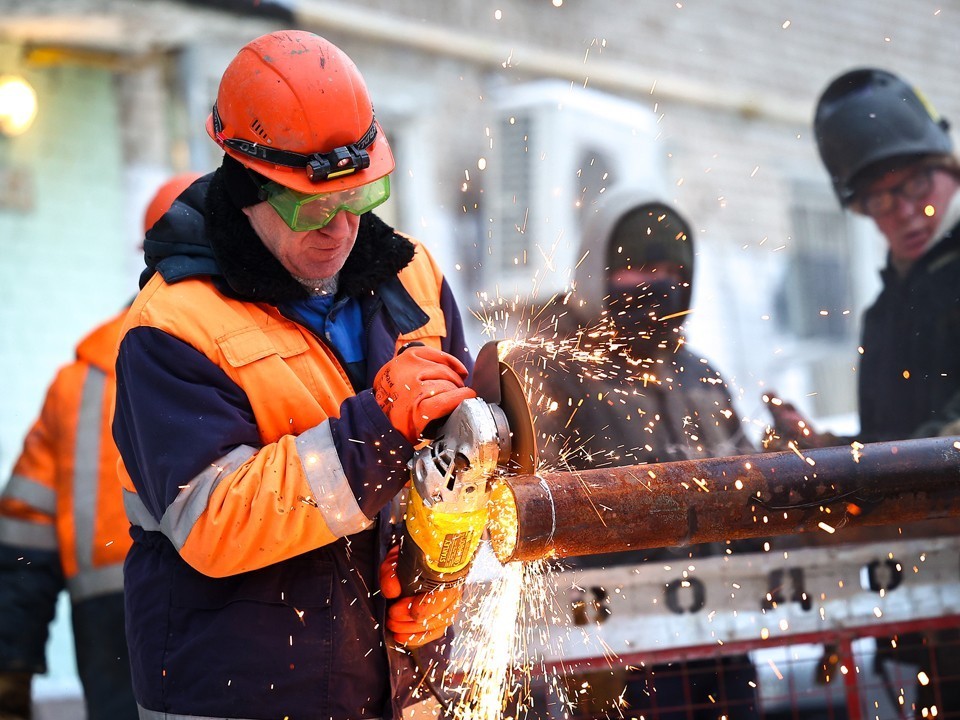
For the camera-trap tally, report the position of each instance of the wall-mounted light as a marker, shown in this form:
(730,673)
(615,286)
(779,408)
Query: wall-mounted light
(18,105)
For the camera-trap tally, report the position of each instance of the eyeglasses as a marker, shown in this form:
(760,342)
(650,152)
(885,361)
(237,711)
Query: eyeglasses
(302,212)
(882,202)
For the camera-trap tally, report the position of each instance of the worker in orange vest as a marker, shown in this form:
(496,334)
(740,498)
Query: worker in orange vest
(63,526)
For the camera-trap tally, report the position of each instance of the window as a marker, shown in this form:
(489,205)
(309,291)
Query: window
(816,296)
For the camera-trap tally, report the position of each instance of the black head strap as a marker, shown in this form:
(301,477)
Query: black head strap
(342,160)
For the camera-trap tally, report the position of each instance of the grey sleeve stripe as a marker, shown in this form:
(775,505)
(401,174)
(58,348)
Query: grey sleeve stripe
(28,535)
(145,714)
(97,581)
(86,464)
(331,490)
(137,512)
(38,496)
(182,514)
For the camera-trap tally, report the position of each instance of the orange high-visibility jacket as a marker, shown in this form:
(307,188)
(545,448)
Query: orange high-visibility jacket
(294,384)
(64,493)
(62,525)
(259,480)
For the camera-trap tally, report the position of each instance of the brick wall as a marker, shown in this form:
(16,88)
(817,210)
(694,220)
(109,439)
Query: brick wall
(734,84)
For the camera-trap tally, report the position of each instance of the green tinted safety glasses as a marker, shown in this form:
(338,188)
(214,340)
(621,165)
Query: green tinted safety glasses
(302,212)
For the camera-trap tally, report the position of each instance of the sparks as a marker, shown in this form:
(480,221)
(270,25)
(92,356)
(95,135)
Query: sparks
(490,663)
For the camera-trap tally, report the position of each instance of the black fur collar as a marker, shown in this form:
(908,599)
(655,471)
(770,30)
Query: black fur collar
(252,273)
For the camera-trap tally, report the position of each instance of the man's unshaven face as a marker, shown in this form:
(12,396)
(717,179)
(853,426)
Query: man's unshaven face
(312,255)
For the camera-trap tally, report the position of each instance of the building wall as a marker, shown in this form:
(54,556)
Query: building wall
(62,269)
(733,84)
(62,266)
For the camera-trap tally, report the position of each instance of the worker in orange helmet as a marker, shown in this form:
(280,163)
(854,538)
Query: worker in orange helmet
(265,415)
(62,525)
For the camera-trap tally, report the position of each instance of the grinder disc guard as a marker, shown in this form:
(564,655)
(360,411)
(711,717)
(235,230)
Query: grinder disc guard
(496,382)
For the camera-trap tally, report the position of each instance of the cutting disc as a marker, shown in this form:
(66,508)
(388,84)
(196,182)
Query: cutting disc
(496,382)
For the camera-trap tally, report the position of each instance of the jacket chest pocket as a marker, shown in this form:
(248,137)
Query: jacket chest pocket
(247,345)
(291,384)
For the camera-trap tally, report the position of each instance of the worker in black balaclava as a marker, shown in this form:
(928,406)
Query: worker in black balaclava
(613,383)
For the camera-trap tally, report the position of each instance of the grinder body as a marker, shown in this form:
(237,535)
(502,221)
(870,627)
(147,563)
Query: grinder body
(452,477)
(451,482)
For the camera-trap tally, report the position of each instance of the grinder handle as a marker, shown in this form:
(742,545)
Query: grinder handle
(415,575)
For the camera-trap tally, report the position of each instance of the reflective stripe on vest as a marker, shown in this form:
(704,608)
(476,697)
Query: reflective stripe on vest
(26,534)
(89,580)
(96,581)
(331,490)
(32,493)
(137,512)
(191,502)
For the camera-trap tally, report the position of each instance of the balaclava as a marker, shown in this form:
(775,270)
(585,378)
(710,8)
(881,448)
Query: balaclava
(650,315)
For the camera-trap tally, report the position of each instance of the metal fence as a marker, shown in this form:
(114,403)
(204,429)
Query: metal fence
(860,631)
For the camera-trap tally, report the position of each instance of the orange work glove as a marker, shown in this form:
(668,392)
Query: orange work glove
(417,619)
(418,385)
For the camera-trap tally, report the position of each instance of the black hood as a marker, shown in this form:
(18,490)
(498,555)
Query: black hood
(203,233)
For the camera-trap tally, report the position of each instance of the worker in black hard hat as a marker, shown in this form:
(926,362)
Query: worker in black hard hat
(890,158)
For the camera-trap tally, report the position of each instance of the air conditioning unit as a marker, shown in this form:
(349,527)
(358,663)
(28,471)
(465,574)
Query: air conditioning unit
(556,149)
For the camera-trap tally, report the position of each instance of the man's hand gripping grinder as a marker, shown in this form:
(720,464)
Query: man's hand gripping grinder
(452,477)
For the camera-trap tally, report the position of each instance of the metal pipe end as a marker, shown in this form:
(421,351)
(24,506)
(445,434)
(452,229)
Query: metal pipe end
(503,524)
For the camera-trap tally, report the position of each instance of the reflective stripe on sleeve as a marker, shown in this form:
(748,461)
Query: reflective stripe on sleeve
(38,496)
(137,512)
(96,581)
(182,514)
(86,465)
(25,534)
(145,714)
(331,490)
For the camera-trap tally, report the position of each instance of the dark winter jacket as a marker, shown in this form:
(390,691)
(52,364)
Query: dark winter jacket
(612,413)
(909,384)
(259,475)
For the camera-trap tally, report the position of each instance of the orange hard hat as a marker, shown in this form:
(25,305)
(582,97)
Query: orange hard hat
(165,195)
(294,108)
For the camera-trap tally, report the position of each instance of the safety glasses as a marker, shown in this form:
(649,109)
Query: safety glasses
(881,202)
(302,212)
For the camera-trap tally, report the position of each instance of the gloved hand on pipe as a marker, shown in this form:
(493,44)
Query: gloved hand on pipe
(790,426)
(417,619)
(420,384)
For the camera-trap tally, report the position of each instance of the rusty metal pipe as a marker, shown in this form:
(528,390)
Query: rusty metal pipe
(564,514)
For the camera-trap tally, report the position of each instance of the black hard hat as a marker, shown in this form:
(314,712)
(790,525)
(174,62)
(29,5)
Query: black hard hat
(868,115)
